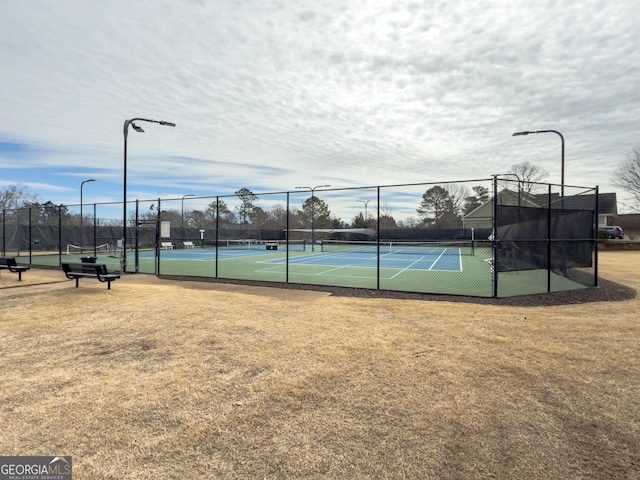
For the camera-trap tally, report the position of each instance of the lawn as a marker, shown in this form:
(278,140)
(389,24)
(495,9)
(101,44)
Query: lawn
(167,379)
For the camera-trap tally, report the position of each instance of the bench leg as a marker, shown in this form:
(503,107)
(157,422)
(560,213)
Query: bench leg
(77,279)
(108,284)
(20,276)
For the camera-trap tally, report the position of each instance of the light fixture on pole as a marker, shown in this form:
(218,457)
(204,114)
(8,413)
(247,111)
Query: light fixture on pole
(313,208)
(124,202)
(82,231)
(517,134)
(182,213)
(366,216)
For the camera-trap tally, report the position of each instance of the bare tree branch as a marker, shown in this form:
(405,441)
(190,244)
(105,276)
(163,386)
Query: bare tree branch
(628,174)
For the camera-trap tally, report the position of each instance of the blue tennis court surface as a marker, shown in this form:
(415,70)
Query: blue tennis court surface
(442,260)
(445,259)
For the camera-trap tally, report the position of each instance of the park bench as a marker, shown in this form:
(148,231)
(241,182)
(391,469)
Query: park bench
(76,271)
(187,245)
(11,265)
(166,246)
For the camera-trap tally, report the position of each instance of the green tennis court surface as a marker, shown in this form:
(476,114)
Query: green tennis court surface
(448,269)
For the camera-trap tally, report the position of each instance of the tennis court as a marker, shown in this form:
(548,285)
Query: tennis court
(334,255)
(425,267)
(407,266)
(333,261)
(391,256)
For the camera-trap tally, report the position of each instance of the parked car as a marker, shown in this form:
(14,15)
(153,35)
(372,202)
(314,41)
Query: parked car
(610,232)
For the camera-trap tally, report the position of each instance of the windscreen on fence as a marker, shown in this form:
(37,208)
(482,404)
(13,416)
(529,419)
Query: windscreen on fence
(534,238)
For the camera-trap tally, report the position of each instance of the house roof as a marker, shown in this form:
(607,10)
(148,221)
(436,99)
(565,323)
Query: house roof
(607,202)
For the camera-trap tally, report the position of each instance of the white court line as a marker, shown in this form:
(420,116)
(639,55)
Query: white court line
(436,261)
(408,267)
(269,270)
(333,269)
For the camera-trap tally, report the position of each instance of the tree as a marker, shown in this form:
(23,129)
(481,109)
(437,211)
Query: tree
(409,222)
(386,220)
(258,217)
(628,174)
(172,215)
(196,218)
(471,202)
(528,175)
(441,209)
(337,223)
(359,221)
(46,213)
(276,217)
(15,196)
(316,211)
(247,197)
(221,209)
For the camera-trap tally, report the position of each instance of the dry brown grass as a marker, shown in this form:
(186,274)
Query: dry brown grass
(165,380)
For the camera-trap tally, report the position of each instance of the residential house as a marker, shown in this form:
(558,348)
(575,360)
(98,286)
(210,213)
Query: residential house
(482,217)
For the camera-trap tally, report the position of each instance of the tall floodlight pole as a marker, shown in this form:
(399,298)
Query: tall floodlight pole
(124,202)
(81,231)
(182,213)
(562,143)
(313,211)
(366,217)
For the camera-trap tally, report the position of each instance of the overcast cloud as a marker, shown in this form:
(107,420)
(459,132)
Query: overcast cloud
(272,94)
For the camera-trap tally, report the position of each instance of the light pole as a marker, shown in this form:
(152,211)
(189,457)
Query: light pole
(366,217)
(562,142)
(81,231)
(124,202)
(313,209)
(182,213)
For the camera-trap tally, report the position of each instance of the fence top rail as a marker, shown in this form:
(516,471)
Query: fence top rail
(584,190)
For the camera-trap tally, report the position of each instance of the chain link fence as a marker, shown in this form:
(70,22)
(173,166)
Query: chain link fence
(493,237)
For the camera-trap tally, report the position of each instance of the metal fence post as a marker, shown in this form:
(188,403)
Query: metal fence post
(549,242)
(377,236)
(494,237)
(217,232)
(95,231)
(286,268)
(4,232)
(595,240)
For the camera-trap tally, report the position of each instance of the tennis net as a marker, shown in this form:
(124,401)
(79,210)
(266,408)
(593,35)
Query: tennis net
(72,249)
(253,244)
(453,247)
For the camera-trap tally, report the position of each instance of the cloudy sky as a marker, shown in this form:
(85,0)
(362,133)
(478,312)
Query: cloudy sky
(274,94)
